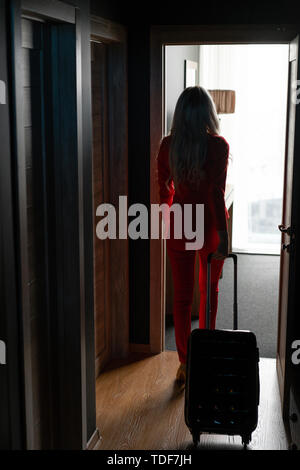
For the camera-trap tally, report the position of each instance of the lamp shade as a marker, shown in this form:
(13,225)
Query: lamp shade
(224,100)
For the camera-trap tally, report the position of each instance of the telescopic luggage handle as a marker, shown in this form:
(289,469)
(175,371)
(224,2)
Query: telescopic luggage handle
(235,308)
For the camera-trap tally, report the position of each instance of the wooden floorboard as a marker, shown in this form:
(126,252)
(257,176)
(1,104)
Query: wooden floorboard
(140,408)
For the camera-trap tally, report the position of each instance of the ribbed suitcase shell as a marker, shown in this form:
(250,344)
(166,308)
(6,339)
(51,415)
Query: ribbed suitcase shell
(222,382)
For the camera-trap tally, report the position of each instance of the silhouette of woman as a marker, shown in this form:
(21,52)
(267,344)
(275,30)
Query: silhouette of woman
(191,169)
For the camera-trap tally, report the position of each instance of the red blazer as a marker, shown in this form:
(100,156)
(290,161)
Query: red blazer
(211,193)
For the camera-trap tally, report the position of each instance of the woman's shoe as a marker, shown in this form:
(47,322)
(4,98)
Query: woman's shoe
(181,373)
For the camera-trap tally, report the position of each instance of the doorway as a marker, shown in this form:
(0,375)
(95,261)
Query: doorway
(48,144)
(110,180)
(256,75)
(238,34)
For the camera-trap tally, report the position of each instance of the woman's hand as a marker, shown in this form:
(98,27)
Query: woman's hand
(223,247)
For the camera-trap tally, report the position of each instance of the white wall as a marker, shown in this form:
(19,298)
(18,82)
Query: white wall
(175,57)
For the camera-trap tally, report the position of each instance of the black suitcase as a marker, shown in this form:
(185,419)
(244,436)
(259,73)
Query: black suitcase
(222,377)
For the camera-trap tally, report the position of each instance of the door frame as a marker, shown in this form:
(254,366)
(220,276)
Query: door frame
(289,260)
(11,389)
(114,36)
(186,35)
(76,384)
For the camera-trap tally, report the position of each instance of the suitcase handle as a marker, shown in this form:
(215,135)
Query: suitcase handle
(235,307)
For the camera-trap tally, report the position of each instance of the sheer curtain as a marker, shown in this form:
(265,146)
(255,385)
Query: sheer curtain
(256,134)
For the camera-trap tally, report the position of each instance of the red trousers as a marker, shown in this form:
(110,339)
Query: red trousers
(183,273)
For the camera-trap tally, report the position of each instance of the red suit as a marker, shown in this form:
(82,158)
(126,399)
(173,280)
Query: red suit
(210,193)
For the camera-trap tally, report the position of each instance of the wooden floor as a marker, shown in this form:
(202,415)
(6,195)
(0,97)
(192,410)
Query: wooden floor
(139,408)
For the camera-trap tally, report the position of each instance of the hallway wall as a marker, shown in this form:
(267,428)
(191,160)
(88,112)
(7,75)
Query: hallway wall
(175,59)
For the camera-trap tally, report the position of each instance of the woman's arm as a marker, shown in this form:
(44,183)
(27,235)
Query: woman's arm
(219,185)
(165,182)
(218,192)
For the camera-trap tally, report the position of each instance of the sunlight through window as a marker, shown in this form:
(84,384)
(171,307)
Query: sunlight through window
(256,134)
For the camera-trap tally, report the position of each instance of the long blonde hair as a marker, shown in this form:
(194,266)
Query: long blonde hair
(195,116)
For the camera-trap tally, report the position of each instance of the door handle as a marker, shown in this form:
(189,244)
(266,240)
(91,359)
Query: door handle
(289,231)
(288,247)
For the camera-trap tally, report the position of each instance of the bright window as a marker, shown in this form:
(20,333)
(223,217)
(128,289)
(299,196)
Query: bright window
(256,134)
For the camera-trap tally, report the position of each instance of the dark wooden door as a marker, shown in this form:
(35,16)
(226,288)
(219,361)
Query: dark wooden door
(288,228)
(65,313)
(100,196)
(35,323)
(46,130)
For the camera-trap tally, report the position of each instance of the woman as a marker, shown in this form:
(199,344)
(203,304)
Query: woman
(192,168)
